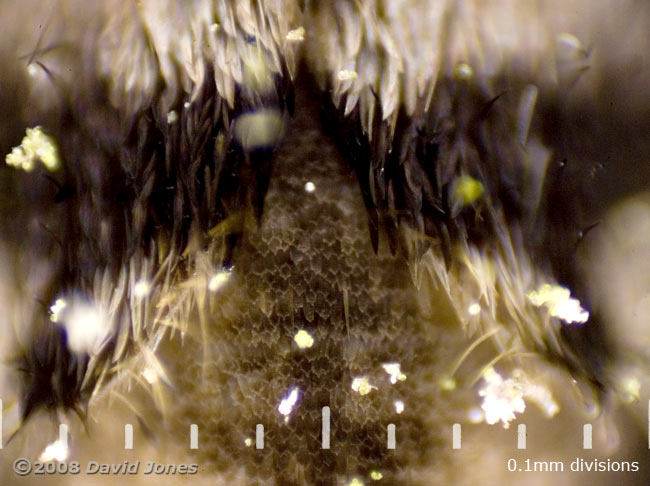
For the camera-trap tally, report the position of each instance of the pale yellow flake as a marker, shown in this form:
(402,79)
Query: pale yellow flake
(303,339)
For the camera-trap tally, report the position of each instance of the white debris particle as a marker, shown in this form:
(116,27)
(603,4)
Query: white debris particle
(503,398)
(474,309)
(296,35)
(287,404)
(248,441)
(214,28)
(218,280)
(393,369)
(86,324)
(399,406)
(538,394)
(172,117)
(32,70)
(362,385)
(376,475)
(559,302)
(141,289)
(310,187)
(303,339)
(186,105)
(355,482)
(56,451)
(57,309)
(35,146)
(346,75)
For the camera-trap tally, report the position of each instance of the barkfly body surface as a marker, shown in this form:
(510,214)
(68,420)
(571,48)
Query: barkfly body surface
(281,242)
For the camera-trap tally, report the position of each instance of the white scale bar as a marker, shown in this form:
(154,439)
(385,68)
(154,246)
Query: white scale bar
(521,436)
(259,436)
(326,428)
(587,441)
(63,435)
(194,436)
(391,436)
(586,436)
(128,436)
(455,436)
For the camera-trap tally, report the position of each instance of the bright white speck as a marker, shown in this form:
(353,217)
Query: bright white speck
(399,406)
(296,35)
(303,339)
(310,187)
(559,302)
(56,451)
(474,309)
(376,475)
(57,309)
(32,70)
(86,324)
(346,75)
(218,280)
(464,71)
(356,482)
(141,289)
(214,28)
(362,385)
(287,404)
(150,374)
(393,369)
(186,105)
(631,387)
(172,117)
(248,441)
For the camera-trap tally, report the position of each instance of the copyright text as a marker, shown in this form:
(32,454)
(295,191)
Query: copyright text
(25,467)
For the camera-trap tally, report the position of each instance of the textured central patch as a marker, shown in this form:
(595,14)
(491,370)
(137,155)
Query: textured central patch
(310,267)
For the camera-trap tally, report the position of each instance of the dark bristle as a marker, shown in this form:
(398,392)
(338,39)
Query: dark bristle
(51,375)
